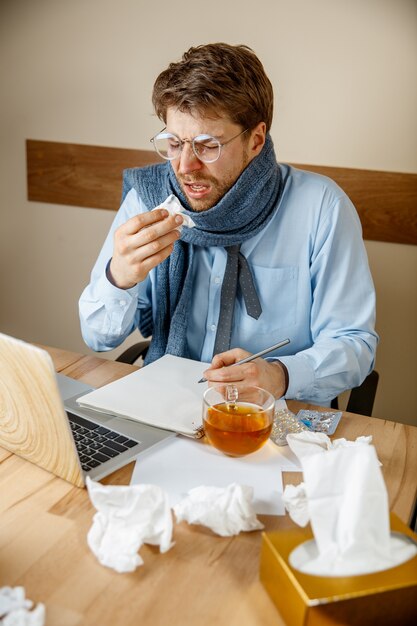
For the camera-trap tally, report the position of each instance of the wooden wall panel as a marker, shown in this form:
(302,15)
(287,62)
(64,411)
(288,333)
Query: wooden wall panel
(91,176)
(80,175)
(386,201)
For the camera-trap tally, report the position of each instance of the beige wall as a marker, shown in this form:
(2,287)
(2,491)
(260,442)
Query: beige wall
(82,71)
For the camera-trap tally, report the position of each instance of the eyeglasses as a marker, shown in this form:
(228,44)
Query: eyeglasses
(205,147)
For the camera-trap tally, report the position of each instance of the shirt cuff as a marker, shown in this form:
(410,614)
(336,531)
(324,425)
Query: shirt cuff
(286,376)
(300,377)
(109,291)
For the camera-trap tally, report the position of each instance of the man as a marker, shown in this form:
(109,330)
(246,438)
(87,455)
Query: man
(275,252)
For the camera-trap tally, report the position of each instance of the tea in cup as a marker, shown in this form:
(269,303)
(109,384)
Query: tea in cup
(237,423)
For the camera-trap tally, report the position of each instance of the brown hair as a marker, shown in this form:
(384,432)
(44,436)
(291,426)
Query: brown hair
(217,78)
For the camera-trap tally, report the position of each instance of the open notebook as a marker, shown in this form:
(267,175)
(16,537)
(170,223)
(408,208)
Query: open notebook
(165,393)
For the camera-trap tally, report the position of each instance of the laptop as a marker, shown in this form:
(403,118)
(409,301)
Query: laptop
(41,421)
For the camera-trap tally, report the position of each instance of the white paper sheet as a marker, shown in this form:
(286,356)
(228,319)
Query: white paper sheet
(180,464)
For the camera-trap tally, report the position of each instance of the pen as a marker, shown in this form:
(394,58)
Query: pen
(252,357)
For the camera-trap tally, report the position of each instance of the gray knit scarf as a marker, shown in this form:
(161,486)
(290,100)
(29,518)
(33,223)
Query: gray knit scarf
(240,214)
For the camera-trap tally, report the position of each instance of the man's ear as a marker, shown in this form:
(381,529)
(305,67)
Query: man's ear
(257,139)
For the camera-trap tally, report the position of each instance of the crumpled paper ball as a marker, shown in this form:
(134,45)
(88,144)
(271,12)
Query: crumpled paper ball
(126,518)
(15,609)
(226,511)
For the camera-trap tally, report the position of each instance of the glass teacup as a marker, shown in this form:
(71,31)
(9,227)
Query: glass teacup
(237,423)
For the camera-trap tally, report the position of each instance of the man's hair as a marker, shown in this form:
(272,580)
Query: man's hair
(217,79)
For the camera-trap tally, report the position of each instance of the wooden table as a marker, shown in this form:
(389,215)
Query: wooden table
(203,580)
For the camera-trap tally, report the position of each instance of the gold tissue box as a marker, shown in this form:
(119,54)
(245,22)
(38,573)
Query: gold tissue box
(387,598)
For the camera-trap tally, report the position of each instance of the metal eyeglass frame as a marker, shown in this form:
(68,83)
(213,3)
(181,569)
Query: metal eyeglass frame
(192,142)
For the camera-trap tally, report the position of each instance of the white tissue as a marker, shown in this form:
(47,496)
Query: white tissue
(345,498)
(226,511)
(22,617)
(12,598)
(126,518)
(296,503)
(308,442)
(174,207)
(14,609)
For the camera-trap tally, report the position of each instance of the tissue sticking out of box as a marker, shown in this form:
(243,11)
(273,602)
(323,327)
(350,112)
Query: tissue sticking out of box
(126,518)
(174,207)
(226,511)
(345,499)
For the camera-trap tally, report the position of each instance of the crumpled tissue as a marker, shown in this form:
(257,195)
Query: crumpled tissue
(226,511)
(345,499)
(174,207)
(15,609)
(126,518)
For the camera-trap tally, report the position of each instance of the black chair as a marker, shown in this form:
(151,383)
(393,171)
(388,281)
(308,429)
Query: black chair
(361,399)
(135,351)
(413,523)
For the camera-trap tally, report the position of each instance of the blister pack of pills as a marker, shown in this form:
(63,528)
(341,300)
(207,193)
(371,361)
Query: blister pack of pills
(286,422)
(320,421)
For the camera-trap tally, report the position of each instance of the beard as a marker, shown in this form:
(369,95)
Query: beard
(218,188)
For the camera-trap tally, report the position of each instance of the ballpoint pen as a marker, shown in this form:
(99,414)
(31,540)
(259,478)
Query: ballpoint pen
(252,357)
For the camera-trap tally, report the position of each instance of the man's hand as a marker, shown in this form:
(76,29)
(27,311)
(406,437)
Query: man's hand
(141,244)
(269,375)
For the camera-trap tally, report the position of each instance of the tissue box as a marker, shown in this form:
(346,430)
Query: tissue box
(387,597)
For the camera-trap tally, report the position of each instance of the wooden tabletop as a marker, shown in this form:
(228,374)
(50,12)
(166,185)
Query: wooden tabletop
(204,579)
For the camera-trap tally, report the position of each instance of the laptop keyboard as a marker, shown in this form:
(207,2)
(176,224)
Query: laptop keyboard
(96,444)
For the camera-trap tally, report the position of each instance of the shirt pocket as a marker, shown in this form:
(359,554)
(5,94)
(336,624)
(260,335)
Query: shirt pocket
(277,289)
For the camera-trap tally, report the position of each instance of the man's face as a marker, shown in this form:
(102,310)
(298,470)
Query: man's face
(204,184)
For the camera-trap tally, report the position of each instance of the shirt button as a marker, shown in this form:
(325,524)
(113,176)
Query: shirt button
(217,280)
(213,327)
(122,302)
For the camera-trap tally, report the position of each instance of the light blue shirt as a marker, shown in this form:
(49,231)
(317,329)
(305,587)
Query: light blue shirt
(312,276)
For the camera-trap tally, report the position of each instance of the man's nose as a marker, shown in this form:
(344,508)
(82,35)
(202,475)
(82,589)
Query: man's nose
(189,162)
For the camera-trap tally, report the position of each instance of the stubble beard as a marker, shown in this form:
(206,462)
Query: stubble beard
(218,188)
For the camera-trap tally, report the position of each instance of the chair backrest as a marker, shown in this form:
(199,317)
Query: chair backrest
(135,351)
(361,399)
